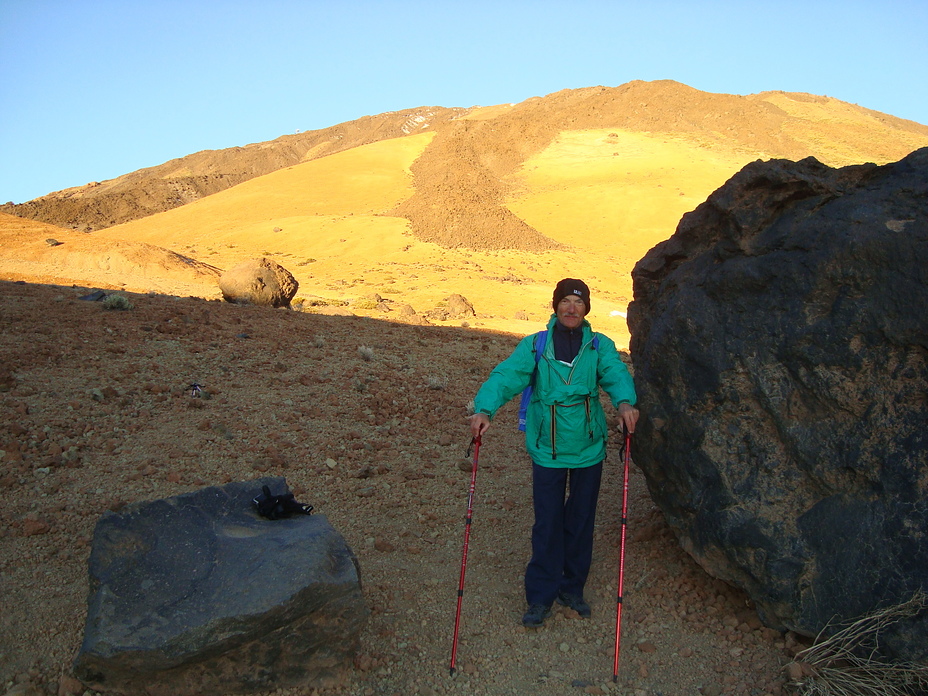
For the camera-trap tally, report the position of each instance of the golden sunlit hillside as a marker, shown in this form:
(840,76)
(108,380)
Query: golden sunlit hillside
(493,203)
(40,253)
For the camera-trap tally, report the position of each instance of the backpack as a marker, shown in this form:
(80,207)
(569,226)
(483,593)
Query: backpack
(541,338)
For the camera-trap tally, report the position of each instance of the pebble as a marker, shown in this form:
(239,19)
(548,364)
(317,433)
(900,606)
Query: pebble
(383,546)
(69,686)
(33,527)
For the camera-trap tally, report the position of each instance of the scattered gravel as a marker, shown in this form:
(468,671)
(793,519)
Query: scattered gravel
(96,411)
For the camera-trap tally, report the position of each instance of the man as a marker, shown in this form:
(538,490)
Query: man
(565,435)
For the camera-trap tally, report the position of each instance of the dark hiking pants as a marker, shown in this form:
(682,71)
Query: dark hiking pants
(562,536)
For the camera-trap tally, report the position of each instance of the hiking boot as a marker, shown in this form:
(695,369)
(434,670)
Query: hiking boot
(575,602)
(536,615)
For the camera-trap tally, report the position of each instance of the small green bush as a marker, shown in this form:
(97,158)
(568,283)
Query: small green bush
(116,302)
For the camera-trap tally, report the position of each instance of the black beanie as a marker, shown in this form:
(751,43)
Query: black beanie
(572,286)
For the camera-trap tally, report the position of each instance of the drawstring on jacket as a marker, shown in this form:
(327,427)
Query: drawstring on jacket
(553,431)
(589,420)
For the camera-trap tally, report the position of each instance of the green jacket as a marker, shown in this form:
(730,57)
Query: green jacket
(565,425)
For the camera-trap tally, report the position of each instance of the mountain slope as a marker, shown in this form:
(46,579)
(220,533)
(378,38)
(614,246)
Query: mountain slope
(41,253)
(496,203)
(460,179)
(320,219)
(183,180)
(477,148)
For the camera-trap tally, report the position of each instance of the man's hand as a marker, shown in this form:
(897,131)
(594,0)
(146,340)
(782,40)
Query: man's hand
(629,416)
(479,422)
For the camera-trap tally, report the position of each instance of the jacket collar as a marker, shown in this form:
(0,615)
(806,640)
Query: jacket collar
(585,326)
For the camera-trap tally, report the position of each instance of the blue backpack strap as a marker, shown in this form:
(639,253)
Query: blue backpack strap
(541,338)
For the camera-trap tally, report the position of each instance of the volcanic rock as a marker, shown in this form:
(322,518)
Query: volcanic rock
(780,347)
(455,307)
(260,282)
(198,594)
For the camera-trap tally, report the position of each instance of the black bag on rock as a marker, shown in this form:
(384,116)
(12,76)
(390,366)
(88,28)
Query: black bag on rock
(275,507)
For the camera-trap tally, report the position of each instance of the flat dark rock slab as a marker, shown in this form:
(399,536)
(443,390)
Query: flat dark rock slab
(199,594)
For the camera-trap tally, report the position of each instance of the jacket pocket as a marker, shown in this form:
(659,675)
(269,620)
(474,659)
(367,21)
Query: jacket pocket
(567,429)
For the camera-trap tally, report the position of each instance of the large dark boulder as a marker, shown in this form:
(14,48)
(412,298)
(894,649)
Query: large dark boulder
(259,282)
(197,594)
(780,347)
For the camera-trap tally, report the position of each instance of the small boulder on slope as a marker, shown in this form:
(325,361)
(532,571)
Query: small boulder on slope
(259,282)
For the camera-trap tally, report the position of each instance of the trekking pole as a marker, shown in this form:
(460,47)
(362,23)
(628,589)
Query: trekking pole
(470,508)
(618,604)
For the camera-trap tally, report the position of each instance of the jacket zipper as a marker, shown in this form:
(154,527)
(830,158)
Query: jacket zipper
(554,406)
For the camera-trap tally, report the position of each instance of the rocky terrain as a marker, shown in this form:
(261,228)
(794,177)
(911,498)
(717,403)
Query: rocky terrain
(380,220)
(366,420)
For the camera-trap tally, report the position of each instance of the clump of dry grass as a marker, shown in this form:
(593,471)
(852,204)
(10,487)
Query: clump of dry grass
(365,303)
(847,664)
(118,302)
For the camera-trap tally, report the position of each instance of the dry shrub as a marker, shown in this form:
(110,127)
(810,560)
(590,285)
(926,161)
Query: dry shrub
(847,663)
(118,302)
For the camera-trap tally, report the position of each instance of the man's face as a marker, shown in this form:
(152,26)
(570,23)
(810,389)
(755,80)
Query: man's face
(570,311)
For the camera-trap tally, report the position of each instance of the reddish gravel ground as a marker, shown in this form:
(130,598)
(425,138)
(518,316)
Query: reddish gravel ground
(94,413)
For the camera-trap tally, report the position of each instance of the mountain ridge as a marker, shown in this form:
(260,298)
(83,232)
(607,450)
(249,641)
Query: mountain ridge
(482,149)
(182,180)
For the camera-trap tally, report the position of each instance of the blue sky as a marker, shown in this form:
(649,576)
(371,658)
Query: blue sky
(92,89)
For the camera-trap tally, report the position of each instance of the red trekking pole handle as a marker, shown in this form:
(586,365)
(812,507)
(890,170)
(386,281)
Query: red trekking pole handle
(618,603)
(470,510)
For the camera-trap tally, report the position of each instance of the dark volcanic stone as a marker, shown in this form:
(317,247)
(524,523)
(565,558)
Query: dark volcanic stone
(198,594)
(780,346)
